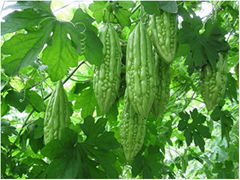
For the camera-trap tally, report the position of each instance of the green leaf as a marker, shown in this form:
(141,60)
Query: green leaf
(17,100)
(36,101)
(151,7)
(66,166)
(231,90)
(123,17)
(169,6)
(39,5)
(59,55)
(203,131)
(216,114)
(199,141)
(20,20)
(94,48)
(184,116)
(88,126)
(107,141)
(80,86)
(4,107)
(182,125)
(98,8)
(36,128)
(188,136)
(92,129)
(24,48)
(82,17)
(87,102)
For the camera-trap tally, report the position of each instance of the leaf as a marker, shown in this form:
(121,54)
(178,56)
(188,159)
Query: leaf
(79,86)
(87,102)
(92,129)
(231,90)
(123,17)
(203,131)
(17,100)
(151,7)
(24,48)
(20,20)
(216,114)
(82,17)
(88,126)
(36,128)
(59,55)
(4,107)
(36,101)
(107,141)
(98,8)
(198,140)
(184,116)
(188,136)
(39,5)
(66,166)
(182,125)
(94,48)
(169,6)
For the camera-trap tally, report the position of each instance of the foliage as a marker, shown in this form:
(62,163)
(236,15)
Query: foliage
(184,141)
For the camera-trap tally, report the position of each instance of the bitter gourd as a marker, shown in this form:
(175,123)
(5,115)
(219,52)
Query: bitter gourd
(106,78)
(140,76)
(57,114)
(163,32)
(132,130)
(213,83)
(162,86)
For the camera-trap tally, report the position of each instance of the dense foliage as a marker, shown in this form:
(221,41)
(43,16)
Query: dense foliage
(120,89)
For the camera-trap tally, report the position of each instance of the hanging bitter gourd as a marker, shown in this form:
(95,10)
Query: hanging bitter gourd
(140,76)
(106,78)
(162,86)
(132,130)
(213,83)
(57,115)
(163,32)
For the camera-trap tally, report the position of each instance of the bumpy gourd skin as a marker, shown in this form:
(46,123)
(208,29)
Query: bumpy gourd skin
(140,76)
(213,83)
(132,130)
(163,32)
(162,86)
(57,114)
(106,78)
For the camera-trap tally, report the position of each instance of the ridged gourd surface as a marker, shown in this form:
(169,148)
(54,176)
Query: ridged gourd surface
(162,86)
(213,83)
(140,76)
(163,32)
(106,78)
(57,115)
(132,130)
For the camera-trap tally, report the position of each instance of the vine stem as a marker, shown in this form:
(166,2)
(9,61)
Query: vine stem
(33,110)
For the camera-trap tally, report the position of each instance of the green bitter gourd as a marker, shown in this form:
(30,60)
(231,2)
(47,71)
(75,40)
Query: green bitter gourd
(106,78)
(132,130)
(163,32)
(213,83)
(162,86)
(57,115)
(140,76)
